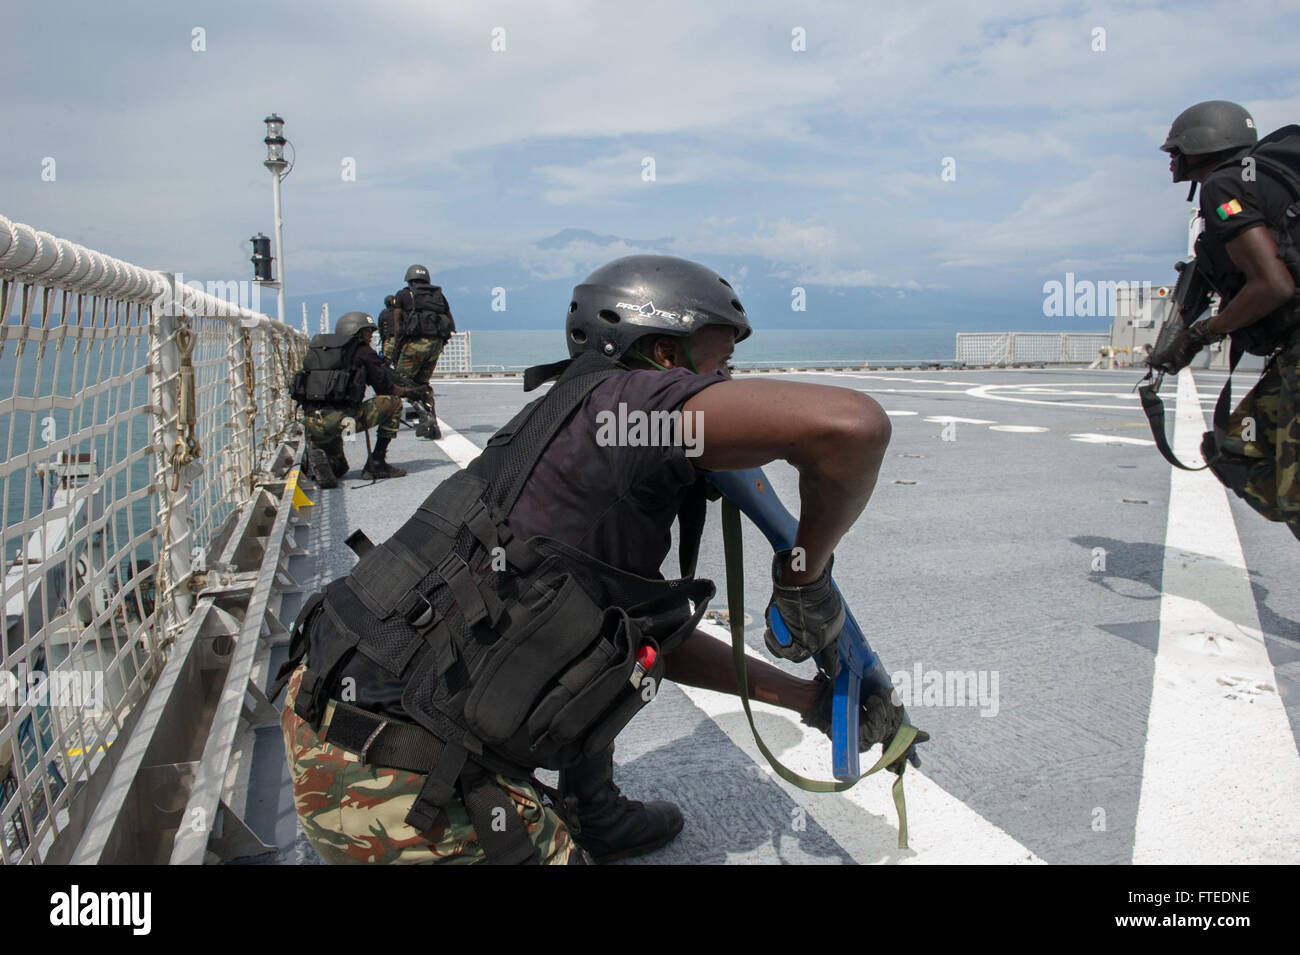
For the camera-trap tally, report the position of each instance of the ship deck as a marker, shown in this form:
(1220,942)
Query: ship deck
(1135,633)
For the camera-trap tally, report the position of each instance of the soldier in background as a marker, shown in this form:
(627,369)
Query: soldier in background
(425,327)
(388,326)
(330,387)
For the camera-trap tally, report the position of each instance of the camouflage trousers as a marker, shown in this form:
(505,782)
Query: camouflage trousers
(419,357)
(389,349)
(352,812)
(325,428)
(1261,450)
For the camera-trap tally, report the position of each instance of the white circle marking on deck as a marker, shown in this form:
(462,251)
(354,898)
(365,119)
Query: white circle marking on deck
(986,391)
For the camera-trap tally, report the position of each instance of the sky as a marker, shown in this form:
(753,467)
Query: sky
(927,164)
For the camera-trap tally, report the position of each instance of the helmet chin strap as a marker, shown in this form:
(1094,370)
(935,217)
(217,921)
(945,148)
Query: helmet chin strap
(686,346)
(1180,173)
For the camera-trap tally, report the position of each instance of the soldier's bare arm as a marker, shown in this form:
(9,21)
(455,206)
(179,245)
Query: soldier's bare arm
(834,437)
(1268,282)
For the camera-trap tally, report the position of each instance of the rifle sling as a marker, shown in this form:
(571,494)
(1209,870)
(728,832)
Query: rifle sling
(1155,412)
(894,753)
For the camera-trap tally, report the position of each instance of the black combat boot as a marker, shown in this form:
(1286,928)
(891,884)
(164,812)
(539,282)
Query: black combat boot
(377,469)
(428,426)
(320,469)
(605,822)
(341,467)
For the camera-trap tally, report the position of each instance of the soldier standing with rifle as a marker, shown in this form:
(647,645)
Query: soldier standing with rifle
(387,329)
(424,325)
(1250,203)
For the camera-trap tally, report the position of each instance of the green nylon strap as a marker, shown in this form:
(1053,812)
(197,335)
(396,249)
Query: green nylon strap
(902,740)
(686,346)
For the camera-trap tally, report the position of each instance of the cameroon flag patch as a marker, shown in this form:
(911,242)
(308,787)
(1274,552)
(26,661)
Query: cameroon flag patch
(1229,208)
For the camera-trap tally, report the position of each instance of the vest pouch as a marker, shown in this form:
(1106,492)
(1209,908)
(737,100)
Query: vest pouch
(600,737)
(586,690)
(534,650)
(332,386)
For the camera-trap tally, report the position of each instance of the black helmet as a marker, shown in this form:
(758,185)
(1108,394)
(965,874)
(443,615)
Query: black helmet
(1211,127)
(416,273)
(639,295)
(354,322)
(390,301)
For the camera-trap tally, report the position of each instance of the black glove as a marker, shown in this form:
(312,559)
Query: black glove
(1173,350)
(406,388)
(813,614)
(1176,347)
(1202,335)
(878,721)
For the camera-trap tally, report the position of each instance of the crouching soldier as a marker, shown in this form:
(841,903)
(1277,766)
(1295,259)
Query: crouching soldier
(519,619)
(330,387)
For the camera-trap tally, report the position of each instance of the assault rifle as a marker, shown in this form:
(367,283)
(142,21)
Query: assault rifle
(854,666)
(1174,349)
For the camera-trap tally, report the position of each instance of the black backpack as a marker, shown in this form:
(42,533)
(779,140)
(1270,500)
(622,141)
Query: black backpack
(328,375)
(385,324)
(1278,156)
(430,314)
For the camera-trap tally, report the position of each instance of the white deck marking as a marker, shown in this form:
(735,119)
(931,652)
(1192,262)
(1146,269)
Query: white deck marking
(900,414)
(1221,772)
(869,376)
(1019,428)
(942,829)
(1089,438)
(986,391)
(948,419)
(456,446)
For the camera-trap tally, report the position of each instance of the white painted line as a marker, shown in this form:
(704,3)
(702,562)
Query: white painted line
(906,391)
(947,419)
(986,391)
(1221,771)
(900,414)
(942,829)
(456,446)
(1089,438)
(1018,428)
(879,377)
(516,382)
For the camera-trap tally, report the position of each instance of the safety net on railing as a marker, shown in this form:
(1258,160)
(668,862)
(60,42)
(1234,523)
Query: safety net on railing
(135,412)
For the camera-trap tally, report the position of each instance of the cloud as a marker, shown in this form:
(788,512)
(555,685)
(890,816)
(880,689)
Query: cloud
(824,163)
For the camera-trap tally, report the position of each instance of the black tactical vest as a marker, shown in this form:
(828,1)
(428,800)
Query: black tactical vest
(328,377)
(429,316)
(1277,156)
(385,323)
(513,654)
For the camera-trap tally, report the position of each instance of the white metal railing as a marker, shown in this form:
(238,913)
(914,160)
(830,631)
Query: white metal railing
(140,413)
(1011,348)
(455,355)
